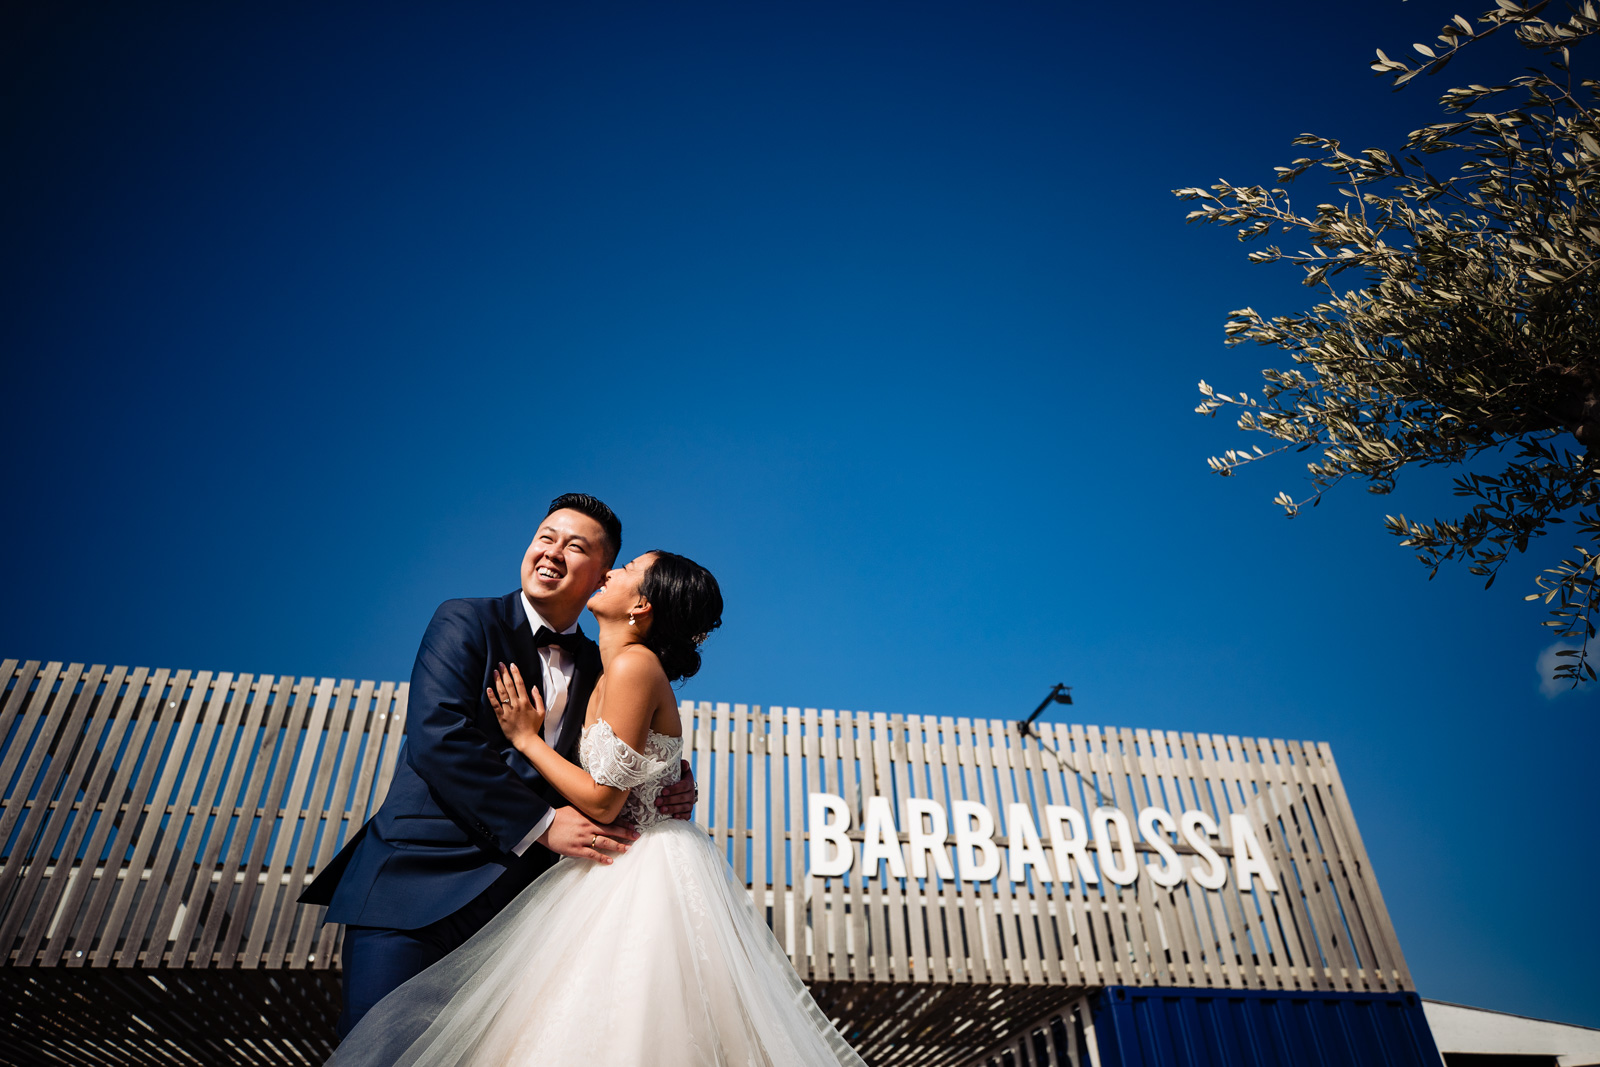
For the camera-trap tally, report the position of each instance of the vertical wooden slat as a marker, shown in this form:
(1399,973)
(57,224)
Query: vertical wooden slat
(787,827)
(716,758)
(738,716)
(777,842)
(927,943)
(945,770)
(978,904)
(885,896)
(827,896)
(855,767)
(943,893)
(906,754)
(804,884)
(866,918)
(756,746)
(889,909)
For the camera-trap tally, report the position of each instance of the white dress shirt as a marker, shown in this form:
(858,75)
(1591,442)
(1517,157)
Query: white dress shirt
(557,668)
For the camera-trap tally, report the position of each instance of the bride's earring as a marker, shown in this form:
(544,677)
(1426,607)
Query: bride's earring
(630,618)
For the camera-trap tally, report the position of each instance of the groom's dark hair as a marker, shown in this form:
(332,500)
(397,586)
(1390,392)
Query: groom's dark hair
(596,509)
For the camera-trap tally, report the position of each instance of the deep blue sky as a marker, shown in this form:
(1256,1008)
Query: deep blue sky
(883,311)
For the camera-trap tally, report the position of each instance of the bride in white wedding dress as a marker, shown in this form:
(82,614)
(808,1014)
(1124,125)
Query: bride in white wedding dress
(659,959)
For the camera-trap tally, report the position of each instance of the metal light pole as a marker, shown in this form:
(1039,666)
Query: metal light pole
(1059,694)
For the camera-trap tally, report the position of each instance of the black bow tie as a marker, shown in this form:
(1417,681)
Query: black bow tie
(568,643)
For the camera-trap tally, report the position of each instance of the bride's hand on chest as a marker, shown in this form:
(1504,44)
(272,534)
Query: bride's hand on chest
(519,708)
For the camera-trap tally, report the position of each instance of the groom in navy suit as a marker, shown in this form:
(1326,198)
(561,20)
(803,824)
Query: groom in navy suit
(468,822)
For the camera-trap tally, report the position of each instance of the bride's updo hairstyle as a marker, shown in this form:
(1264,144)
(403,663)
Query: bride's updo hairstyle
(685,606)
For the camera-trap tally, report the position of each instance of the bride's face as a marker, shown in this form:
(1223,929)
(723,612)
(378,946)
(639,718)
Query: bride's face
(619,592)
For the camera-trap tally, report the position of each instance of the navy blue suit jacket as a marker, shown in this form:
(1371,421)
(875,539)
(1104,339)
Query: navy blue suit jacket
(462,797)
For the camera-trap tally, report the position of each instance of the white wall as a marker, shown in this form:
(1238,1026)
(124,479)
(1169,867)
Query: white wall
(1457,1028)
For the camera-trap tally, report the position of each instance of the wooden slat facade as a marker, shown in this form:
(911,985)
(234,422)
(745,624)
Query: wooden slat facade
(158,823)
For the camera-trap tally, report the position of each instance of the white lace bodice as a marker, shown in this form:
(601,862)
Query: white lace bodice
(612,761)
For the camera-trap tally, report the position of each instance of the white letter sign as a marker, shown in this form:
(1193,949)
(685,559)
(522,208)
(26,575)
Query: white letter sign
(930,842)
(974,835)
(825,833)
(1248,855)
(1025,847)
(882,841)
(1060,853)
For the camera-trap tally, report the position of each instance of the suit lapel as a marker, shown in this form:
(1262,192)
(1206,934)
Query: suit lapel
(522,648)
(586,671)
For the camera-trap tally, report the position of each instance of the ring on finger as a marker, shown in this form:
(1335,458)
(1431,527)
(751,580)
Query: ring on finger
(595,842)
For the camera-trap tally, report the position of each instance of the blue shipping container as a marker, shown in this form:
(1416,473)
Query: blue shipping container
(1153,1027)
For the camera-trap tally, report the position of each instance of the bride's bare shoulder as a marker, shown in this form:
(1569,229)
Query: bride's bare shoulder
(636,666)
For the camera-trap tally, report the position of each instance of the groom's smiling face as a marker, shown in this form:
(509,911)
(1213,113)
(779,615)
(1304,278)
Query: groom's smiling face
(564,564)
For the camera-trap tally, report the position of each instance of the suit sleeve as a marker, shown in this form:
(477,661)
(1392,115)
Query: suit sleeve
(446,746)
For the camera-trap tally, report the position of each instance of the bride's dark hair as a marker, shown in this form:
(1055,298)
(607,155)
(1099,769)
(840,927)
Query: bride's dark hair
(685,606)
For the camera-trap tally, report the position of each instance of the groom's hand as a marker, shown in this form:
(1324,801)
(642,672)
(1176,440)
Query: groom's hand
(572,833)
(677,800)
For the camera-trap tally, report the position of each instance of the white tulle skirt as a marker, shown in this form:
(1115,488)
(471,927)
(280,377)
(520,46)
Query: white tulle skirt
(658,959)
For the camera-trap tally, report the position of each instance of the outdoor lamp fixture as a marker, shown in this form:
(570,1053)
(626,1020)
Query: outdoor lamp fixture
(1059,694)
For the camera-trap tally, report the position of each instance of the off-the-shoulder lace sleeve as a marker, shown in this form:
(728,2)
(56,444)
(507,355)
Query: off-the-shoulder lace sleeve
(613,762)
